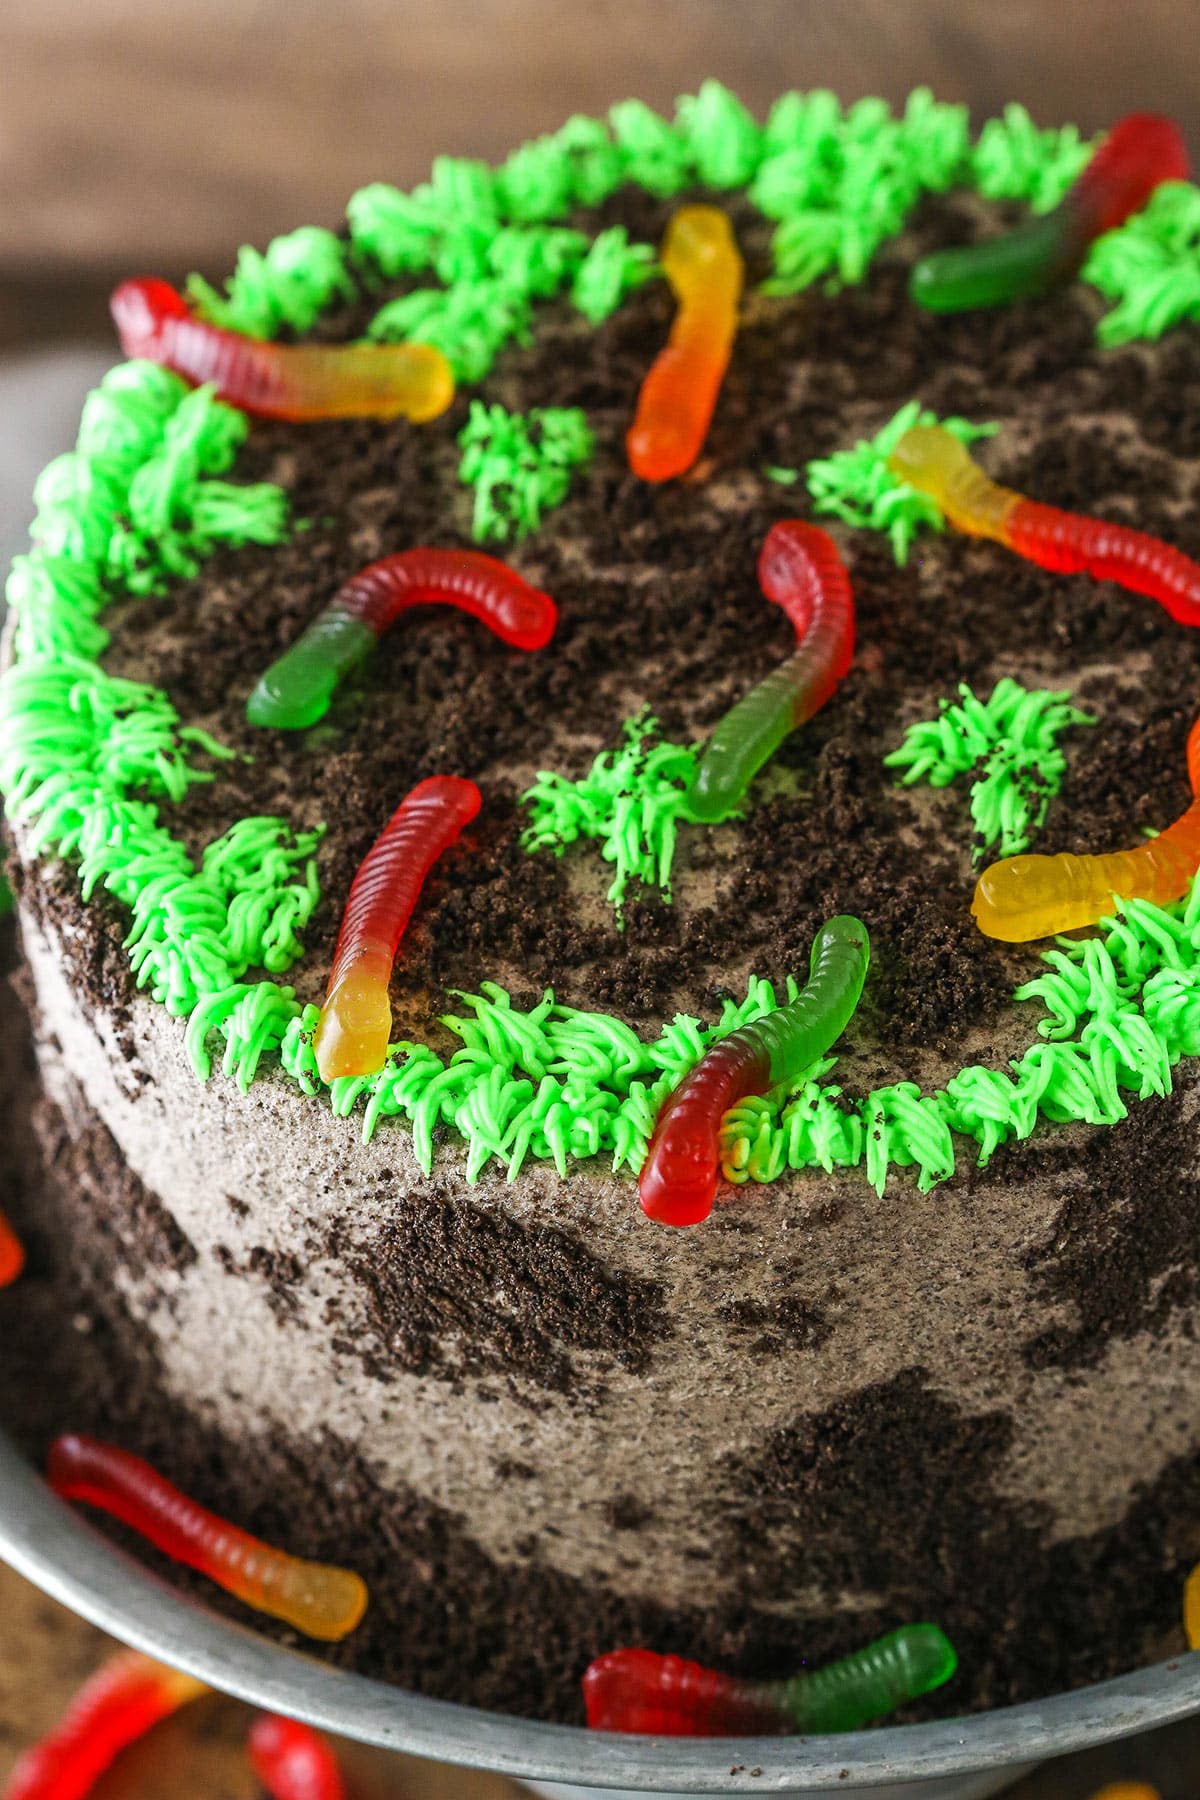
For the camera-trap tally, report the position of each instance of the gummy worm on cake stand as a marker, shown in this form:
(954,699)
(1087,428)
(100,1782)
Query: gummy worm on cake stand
(678,1182)
(800,570)
(1141,150)
(296,690)
(281,381)
(12,1256)
(292,1761)
(356,1019)
(1026,897)
(317,1598)
(933,460)
(664,1696)
(114,1708)
(675,405)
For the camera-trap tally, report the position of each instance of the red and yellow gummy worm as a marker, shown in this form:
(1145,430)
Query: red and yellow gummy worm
(317,1598)
(281,381)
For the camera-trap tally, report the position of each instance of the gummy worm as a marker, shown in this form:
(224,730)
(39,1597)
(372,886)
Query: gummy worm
(1141,150)
(115,1707)
(1127,1790)
(281,381)
(356,1019)
(1026,897)
(675,406)
(800,570)
(12,1256)
(664,1696)
(296,690)
(678,1182)
(323,1601)
(292,1761)
(932,459)
(1191,1609)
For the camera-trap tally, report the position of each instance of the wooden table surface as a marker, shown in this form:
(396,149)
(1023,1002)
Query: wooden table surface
(45,1653)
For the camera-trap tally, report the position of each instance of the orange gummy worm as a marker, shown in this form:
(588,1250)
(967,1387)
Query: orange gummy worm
(675,406)
(317,1598)
(281,381)
(1026,897)
(1191,1609)
(114,1708)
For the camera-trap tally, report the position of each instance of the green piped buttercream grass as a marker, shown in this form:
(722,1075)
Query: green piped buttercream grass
(285,287)
(86,757)
(1122,1009)
(857,486)
(519,465)
(630,801)
(1150,266)
(1008,744)
(1013,159)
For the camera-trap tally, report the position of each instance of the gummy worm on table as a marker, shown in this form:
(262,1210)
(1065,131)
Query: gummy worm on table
(317,1598)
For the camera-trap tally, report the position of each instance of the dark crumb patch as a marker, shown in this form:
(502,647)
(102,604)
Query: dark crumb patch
(280,1270)
(779,1322)
(1121,1254)
(628,1512)
(126,1225)
(509,1468)
(897,1490)
(452,1289)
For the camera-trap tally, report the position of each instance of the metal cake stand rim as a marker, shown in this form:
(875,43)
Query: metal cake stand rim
(61,1553)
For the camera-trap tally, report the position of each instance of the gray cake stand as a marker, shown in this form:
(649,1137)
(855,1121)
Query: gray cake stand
(953,1759)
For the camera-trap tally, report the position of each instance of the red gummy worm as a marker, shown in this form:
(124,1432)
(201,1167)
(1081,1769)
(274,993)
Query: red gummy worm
(1141,150)
(1072,542)
(12,1256)
(480,585)
(665,1696)
(292,1761)
(679,1178)
(115,1707)
(323,1601)
(800,570)
(281,381)
(352,1035)
(296,690)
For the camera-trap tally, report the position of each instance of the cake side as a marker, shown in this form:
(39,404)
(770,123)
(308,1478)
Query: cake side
(694,1436)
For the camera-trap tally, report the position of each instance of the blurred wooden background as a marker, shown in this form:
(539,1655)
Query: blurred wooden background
(165,133)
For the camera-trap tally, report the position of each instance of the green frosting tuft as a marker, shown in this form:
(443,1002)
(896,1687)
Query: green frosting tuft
(858,487)
(85,755)
(630,801)
(612,268)
(1150,266)
(1014,160)
(519,465)
(1009,744)
(841,184)
(1123,1007)
(286,286)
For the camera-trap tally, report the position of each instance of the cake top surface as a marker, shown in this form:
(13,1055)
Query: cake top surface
(158,591)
